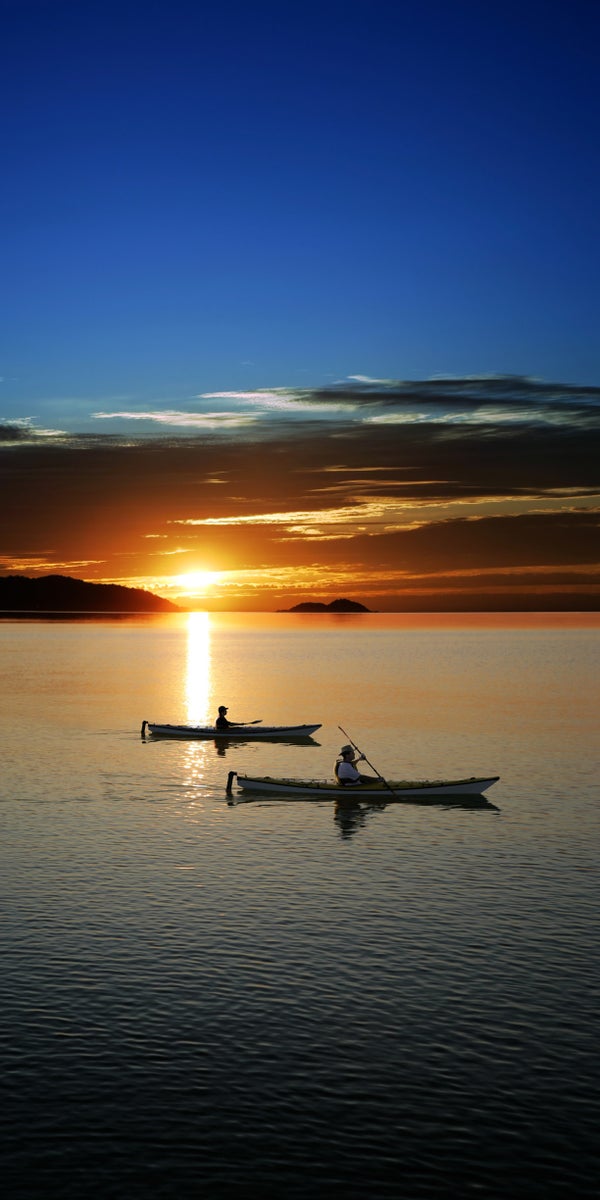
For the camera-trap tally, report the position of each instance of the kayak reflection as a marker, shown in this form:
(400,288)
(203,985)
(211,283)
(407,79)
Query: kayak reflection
(350,813)
(222,745)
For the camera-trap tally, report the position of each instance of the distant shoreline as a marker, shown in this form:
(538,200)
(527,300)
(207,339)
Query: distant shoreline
(427,616)
(59,595)
(15,614)
(46,594)
(335,606)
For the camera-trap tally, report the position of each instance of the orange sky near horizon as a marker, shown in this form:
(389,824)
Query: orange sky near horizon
(452,508)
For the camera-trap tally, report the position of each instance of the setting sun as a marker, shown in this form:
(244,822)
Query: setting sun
(196,581)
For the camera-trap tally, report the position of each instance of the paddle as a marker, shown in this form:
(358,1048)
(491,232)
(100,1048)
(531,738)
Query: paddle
(370,764)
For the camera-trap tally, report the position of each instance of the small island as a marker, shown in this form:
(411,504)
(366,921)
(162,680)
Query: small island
(336,606)
(21,595)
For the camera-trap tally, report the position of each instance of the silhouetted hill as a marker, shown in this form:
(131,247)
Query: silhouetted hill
(61,593)
(335,606)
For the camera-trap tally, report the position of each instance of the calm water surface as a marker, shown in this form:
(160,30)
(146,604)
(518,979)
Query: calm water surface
(280,998)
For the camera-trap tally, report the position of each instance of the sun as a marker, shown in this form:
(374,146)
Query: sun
(196,581)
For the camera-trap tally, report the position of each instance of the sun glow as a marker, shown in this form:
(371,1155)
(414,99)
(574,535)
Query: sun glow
(196,582)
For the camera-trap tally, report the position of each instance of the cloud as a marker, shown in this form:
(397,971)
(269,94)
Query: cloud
(344,408)
(268,397)
(177,419)
(46,564)
(333,516)
(445,503)
(21,431)
(283,401)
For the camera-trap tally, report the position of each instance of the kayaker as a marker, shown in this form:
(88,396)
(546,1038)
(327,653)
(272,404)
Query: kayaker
(345,768)
(222,722)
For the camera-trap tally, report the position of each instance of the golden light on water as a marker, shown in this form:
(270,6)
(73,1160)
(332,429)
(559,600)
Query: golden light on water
(198,668)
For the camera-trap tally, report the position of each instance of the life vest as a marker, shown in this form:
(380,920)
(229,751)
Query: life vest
(342,782)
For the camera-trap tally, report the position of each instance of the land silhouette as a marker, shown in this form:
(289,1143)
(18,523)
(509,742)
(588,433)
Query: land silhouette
(334,606)
(61,593)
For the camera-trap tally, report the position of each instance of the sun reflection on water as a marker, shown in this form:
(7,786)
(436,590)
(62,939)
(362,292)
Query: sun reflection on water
(193,773)
(198,668)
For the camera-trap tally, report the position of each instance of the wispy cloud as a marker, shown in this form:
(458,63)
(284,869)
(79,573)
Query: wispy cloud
(20,431)
(344,408)
(284,401)
(390,482)
(182,420)
(46,563)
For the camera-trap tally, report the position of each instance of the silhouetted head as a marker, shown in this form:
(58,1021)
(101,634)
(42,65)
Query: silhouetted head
(222,709)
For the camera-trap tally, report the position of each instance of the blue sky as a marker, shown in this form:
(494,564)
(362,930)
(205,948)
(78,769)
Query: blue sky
(206,198)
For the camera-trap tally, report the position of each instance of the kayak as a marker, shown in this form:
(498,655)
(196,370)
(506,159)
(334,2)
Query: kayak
(392,789)
(268,732)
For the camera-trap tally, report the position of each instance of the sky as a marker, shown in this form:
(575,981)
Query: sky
(301,300)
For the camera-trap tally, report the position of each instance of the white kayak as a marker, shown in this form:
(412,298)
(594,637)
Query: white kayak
(391,789)
(246,732)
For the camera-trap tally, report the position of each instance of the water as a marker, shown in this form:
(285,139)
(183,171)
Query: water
(285,999)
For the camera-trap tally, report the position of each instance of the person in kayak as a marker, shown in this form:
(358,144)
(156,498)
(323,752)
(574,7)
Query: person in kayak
(346,771)
(222,722)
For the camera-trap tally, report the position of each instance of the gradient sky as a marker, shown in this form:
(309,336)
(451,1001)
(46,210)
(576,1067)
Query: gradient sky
(302,299)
